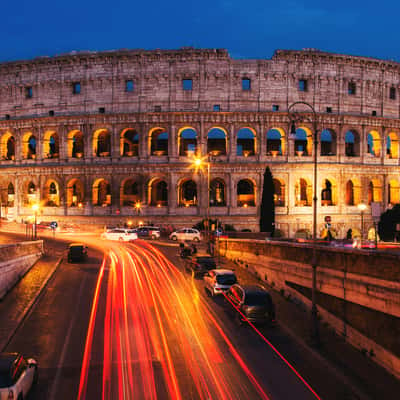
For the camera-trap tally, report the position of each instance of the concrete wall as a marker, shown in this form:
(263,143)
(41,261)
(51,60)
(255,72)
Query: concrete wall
(358,290)
(15,260)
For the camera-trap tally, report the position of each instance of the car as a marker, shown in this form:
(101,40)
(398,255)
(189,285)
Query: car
(47,225)
(150,232)
(218,281)
(119,234)
(252,303)
(17,376)
(77,252)
(186,234)
(200,264)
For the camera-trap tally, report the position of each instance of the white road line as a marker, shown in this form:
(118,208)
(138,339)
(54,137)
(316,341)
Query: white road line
(56,381)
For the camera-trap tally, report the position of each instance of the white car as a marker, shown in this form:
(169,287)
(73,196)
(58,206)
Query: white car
(217,281)
(186,234)
(17,376)
(119,234)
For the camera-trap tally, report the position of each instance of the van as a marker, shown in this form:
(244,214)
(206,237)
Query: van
(77,252)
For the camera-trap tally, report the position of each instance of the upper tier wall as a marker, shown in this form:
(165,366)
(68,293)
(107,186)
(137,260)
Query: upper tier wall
(216,80)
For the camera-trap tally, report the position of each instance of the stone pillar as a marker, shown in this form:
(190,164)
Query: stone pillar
(115,194)
(172,142)
(41,151)
(232,140)
(261,141)
(62,143)
(18,145)
(202,138)
(87,131)
(363,144)
(172,193)
(144,141)
(88,195)
(115,143)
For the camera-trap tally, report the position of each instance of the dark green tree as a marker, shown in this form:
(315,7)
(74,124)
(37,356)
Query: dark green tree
(387,224)
(267,207)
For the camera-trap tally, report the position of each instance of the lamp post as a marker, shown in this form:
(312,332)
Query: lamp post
(35,208)
(313,120)
(362,207)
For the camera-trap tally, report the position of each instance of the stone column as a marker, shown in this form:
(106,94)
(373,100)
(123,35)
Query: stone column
(18,144)
(261,142)
(172,142)
(172,193)
(202,140)
(87,130)
(41,151)
(231,143)
(88,195)
(115,194)
(115,143)
(63,143)
(144,141)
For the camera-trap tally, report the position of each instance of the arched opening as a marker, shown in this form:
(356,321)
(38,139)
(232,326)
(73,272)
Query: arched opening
(29,146)
(303,193)
(393,192)
(217,193)
(279,195)
(75,193)
(216,141)
(352,144)
(187,142)
(158,193)
(10,195)
(51,194)
(353,192)
(303,142)
(101,194)
(374,191)
(159,142)
(245,145)
(275,142)
(130,193)
(187,194)
(373,144)
(328,143)
(102,143)
(76,147)
(8,146)
(245,193)
(129,143)
(30,195)
(328,194)
(51,144)
(392,146)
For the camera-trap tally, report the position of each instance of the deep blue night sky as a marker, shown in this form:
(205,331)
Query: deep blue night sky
(247,29)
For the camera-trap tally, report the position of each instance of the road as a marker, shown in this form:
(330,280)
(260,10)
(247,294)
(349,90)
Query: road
(131,325)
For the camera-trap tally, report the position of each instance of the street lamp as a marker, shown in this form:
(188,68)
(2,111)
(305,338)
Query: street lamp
(35,208)
(313,120)
(362,207)
(137,207)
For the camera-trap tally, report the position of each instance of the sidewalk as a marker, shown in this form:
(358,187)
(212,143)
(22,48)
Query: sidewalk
(357,369)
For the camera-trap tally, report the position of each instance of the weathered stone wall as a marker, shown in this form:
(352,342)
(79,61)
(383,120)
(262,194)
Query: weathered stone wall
(15,260)
(358,290)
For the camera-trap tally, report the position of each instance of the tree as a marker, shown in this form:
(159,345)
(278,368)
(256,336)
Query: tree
(388,221)
(267,208)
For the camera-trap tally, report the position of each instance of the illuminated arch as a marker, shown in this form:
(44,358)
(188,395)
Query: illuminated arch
(276,144)
(51,144)
(29,146)
(353,192)
(329,192)
(158,142)
(374,143)
(303,193)
(217,193)
(76,146)
(158,193)
(129,143)
(187,193)
(102,143)
(393,192)
(30,194)
(75,193)
(51,194)
(246,142)
(279,192)
(10,195)
(101,193)
(303,142)
(352,143)
(328,142)
(217,141)
(374,191)
(130,192)
(392,145)
(246,194)
(187,141)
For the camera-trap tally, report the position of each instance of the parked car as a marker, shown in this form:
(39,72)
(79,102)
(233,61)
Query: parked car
(119,234)
(149,232)
(77,252)
(186,234)
(217,281)
(200,264)
(253,301)
(47,225)
(17,376)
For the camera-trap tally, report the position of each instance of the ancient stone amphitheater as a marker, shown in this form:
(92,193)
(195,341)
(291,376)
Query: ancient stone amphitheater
(107,137)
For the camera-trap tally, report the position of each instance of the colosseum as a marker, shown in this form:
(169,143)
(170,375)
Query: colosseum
(103,137)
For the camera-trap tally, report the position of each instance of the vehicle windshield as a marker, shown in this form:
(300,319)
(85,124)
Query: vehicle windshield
(206,261)
(257,299)
(76,249)
(5,379)
(228,279)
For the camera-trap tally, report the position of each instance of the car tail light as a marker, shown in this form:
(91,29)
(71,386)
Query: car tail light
(10,395)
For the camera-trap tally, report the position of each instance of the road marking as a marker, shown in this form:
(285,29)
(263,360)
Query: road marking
(65,346)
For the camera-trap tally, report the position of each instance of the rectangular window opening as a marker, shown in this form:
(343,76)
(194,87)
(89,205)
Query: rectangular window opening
(216,107)
(352,88)
(328,109)
(275,107)
(374,113)
(129,86)
(28,92)
(246,84)
(157,108)
(187,84)
(76,88)
(392,93)
(303,85)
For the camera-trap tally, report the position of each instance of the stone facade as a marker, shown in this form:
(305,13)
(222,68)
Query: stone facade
(92,135)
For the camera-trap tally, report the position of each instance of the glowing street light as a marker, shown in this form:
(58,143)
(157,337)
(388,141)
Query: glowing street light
(138,207)
(35,208)
(362,207)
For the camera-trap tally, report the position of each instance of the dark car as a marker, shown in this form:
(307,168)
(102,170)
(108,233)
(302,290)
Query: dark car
(200,264)
(149,232)
(252,303)
(77,252)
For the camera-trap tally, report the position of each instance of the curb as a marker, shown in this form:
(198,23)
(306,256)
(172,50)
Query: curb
(29,306)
